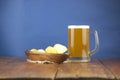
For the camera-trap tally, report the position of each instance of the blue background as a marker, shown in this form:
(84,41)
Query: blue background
(26,24)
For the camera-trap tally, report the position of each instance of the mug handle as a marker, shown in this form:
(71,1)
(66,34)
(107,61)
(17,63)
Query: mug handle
(96,43)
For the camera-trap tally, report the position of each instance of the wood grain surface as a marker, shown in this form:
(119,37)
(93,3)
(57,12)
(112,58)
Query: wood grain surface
(92,70)
(97,69)
(112,65)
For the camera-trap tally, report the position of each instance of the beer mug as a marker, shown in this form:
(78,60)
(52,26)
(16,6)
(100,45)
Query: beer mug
(78,43)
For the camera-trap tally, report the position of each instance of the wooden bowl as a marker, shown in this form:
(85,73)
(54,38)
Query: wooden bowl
(56,58)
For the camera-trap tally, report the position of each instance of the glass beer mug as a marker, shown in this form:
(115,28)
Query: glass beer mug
(78,43)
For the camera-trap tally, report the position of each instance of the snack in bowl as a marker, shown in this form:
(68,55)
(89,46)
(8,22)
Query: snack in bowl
(60,48)
(33,50)
(51,49)
(55,54)
(41,50)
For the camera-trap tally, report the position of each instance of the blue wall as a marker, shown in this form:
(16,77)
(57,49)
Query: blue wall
(26,24)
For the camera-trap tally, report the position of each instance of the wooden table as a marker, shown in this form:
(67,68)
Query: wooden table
(15,68)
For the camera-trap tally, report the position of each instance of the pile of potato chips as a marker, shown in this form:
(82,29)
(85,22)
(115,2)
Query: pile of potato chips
(56,49)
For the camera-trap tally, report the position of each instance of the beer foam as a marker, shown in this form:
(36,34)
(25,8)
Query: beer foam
(78,26)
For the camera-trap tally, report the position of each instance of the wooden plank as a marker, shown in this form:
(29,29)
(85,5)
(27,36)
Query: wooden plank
(91,70)
(9,63)
(11,59)
(14,67)
(113,65)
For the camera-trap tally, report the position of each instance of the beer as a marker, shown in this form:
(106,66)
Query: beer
(78,41)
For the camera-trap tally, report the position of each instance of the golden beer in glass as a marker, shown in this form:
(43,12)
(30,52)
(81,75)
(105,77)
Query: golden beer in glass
(78,43)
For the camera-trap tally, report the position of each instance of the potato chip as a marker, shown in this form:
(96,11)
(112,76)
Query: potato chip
(50,49)
(33,50)
(41,50)
(60,48)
